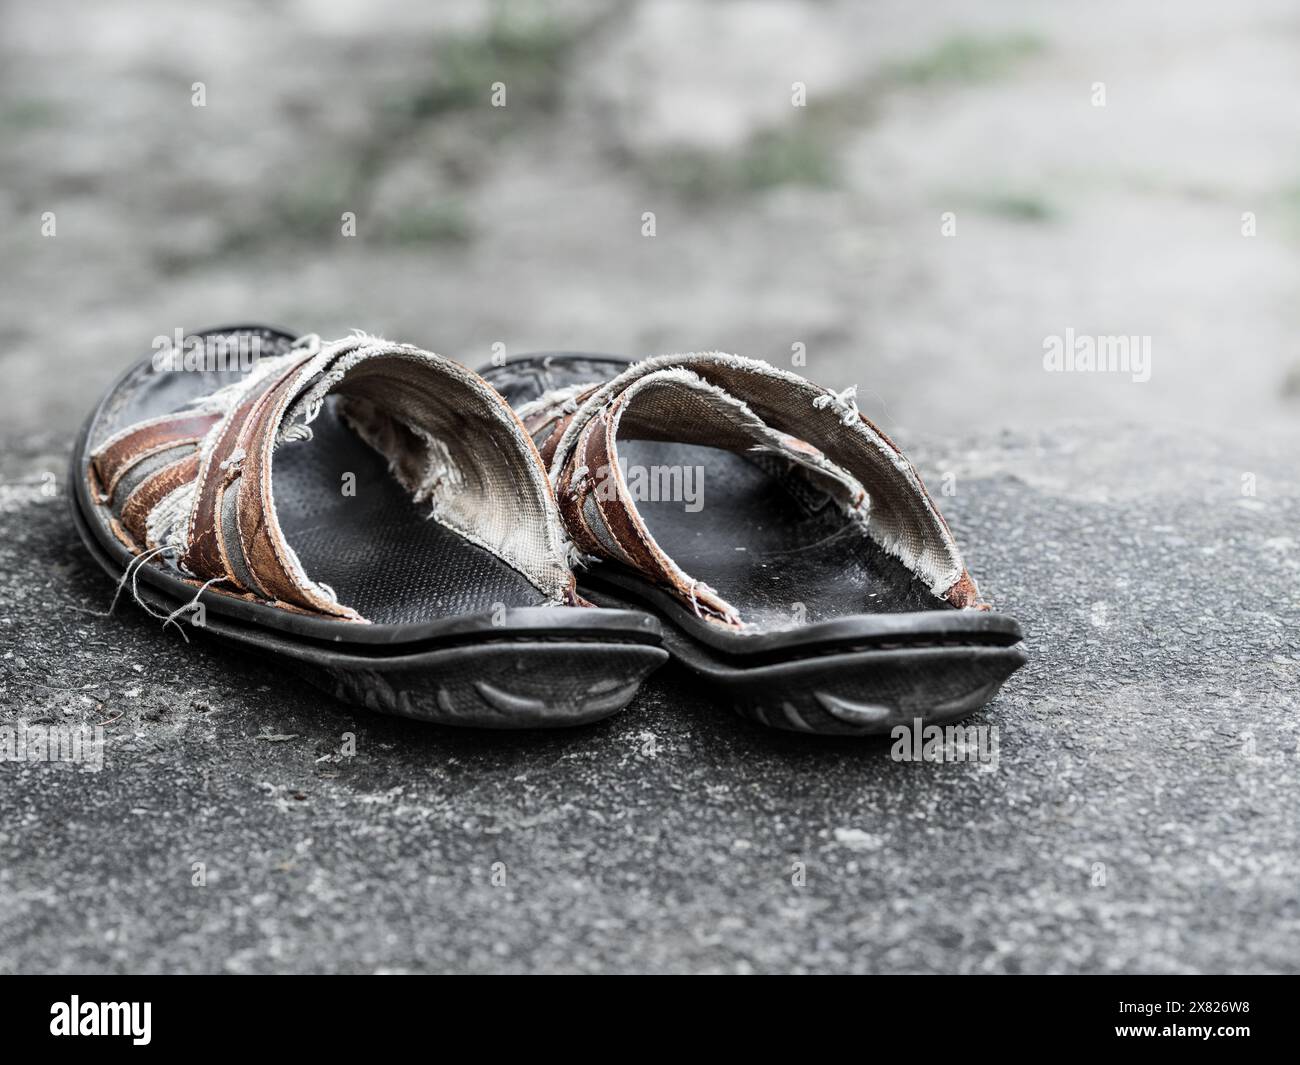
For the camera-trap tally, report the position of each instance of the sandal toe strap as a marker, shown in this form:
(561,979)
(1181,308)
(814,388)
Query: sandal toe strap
(752,408)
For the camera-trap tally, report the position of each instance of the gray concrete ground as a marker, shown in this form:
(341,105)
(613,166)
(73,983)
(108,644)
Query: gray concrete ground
(1140,816)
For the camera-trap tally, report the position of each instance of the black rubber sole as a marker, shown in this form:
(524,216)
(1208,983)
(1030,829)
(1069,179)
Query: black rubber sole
(518,667)
(840,673)
(864,684)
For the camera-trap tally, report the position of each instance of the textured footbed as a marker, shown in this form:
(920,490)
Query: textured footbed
(381,553)
(770,542)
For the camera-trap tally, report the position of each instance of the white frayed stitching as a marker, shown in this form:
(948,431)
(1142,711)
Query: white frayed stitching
(298,431)
(440,472)
(296,423)
(232,461)
(170,619)
(577,480)
(574,557)
(168,523)
(846,402)
(226,399)
(307,407)
(131,568)
(132,575)
(695,603)
(562,400)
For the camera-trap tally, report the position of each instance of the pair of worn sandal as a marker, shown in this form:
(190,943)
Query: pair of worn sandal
(381,519)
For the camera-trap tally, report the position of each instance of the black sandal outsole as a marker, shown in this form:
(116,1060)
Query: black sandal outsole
(836,673)
(506,668)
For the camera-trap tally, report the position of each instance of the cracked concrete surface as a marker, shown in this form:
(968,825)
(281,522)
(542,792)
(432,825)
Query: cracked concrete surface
(1141,816)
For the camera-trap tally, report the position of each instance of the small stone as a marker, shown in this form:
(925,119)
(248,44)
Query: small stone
(857,840)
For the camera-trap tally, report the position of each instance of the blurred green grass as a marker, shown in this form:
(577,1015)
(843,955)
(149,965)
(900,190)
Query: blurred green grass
(527,52)
(967,58)
(526,48)
(1018,206)
(804,149)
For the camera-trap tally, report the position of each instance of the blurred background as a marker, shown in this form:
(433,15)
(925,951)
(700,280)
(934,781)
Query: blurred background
(129,212)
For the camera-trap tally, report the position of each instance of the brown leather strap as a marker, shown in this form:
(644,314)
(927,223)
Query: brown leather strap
(203,555)
(603,520)
(238,459)
(263,548)
(546,424)
(150,492)
(117,455)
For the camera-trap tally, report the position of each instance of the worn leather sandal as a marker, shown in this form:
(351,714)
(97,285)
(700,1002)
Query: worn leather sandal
(368,513)
(792,548)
